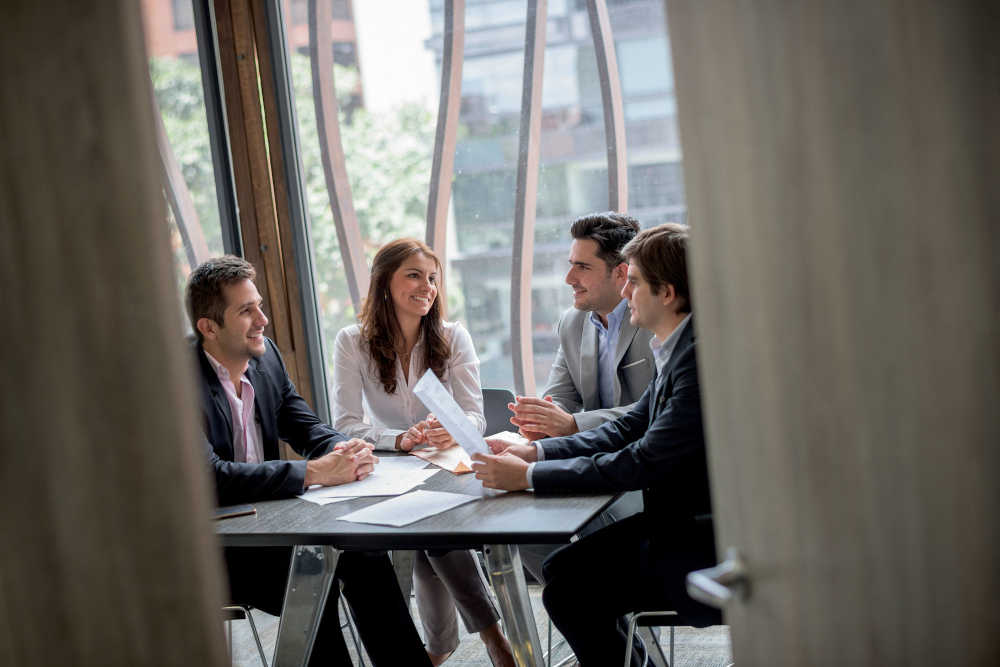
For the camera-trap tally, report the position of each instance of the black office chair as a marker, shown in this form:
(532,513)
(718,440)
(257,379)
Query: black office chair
(495,409)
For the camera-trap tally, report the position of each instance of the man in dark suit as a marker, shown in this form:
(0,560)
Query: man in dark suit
(249,403)
(638,563)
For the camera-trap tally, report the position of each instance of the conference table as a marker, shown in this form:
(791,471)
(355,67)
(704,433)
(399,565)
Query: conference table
(497,522)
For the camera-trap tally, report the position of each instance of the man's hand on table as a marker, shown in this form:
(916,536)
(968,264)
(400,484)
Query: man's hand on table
(507,467)
(537,418)
(349,461)
(501,471)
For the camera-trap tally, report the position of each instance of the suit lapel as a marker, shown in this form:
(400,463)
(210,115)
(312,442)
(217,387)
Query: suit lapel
(663,379)
(625,337)
(588,365)
(217,398)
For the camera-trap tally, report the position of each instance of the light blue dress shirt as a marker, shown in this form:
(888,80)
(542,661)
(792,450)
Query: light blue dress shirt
(607,345)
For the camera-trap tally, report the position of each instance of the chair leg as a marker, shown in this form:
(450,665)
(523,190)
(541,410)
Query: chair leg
(256,638)
(345,611)
(632,620)
(552,648)
(548,656)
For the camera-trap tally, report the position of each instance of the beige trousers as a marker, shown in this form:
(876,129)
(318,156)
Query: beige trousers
(444,581)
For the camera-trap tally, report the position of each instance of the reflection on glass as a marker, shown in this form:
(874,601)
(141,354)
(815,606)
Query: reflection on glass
(192,211)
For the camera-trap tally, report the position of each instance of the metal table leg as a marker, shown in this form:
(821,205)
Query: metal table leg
(507,577)
(309,578)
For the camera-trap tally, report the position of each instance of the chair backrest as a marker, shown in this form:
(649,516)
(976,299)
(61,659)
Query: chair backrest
(495,408)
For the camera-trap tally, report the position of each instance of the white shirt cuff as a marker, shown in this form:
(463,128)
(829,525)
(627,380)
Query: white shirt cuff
(387,441)
(539,452)
(528,475)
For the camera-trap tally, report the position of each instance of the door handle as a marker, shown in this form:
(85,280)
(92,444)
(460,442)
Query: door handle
(718,586)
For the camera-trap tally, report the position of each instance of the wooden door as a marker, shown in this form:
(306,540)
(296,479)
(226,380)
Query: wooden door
(841,163)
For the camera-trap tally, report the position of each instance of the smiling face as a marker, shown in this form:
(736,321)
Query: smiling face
(595,287)
(414,286)
(241,334)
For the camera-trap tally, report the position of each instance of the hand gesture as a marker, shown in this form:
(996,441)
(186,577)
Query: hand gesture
(436,434)
(414,436)
(537,418)
(525,452)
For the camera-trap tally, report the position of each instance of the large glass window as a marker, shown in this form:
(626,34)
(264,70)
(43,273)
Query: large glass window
(185,144)
(573,175)
(386,119)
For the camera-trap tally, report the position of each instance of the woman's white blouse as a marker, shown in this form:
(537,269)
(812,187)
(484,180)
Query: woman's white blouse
(362,408)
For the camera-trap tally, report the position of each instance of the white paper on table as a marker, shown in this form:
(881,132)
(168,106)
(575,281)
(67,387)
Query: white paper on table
(438,400)
(453,459)
(388,483)
(408,508)
(398,464)
(312,497)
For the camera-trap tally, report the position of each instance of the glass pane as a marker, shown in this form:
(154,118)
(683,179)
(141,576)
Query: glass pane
(656,183)
(192,205)
(387,121)
(573,170)
(485,177)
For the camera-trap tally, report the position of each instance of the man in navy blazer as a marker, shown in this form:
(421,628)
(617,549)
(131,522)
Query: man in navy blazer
(638,563)
(248,403)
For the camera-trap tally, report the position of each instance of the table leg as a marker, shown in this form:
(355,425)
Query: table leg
(309,578)
(507,577)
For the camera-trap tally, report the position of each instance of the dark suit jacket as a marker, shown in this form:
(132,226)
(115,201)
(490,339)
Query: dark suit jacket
(658,446)
(282,414)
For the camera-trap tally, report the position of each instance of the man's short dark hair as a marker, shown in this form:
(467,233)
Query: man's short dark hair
(661,254)
(610,230)
(203,296)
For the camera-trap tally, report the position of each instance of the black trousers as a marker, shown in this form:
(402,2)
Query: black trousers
(258,575)
(593,582)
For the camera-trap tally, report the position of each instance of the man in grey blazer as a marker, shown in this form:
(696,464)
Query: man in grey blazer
(604,363)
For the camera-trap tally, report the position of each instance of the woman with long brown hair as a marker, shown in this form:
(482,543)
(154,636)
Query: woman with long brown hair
(403,333)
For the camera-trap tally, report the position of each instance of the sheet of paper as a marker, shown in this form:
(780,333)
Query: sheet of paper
(408,508)
(453,459)
(398,463)
(436,398)
(509,437)
(320,500)
(379,483)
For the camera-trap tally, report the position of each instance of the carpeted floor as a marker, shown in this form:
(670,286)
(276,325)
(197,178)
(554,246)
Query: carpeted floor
(693,647)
